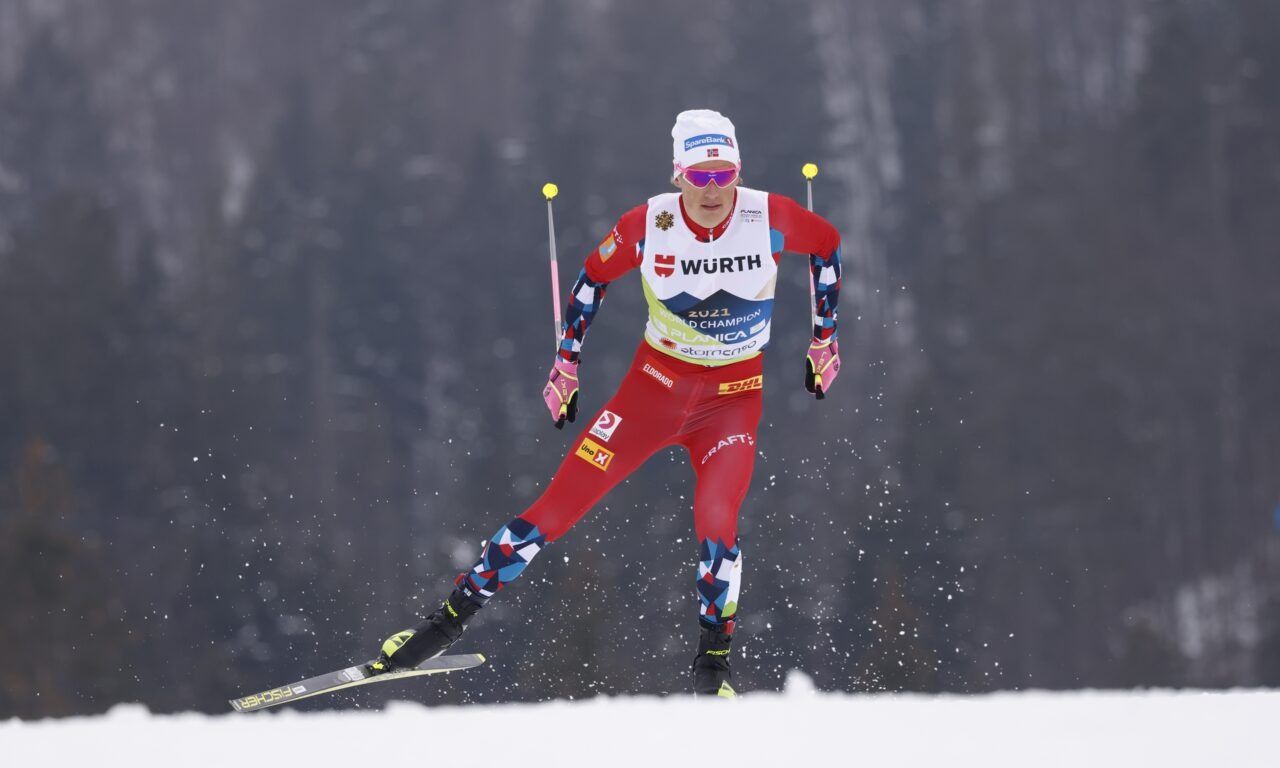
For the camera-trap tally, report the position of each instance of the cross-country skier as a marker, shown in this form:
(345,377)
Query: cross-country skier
(708,259)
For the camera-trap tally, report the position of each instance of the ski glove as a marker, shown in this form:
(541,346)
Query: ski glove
(561,392)
(821,367)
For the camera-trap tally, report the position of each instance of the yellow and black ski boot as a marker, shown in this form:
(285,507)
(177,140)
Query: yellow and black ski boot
(409,648)
(711,673)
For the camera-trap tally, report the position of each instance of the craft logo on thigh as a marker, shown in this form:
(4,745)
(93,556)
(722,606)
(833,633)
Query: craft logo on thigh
(725,442)
(594,454)
(746,385)
(659,374)
(606,425)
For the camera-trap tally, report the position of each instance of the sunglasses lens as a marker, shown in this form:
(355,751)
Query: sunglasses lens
(700,178)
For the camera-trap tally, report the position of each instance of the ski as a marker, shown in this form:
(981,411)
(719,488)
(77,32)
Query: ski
(350,678)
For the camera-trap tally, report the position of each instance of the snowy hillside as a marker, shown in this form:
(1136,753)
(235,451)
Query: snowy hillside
(793,729)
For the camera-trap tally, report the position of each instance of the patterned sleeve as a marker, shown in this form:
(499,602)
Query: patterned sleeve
(618,254)
(806,232)
(826,290)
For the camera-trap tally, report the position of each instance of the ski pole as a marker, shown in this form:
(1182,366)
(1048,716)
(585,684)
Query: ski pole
(549,191)
(810,170)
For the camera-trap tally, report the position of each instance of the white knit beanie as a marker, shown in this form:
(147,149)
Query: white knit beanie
(700,135)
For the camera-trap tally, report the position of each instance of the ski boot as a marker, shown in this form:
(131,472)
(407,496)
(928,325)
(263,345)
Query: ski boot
(409,648)
(711,673)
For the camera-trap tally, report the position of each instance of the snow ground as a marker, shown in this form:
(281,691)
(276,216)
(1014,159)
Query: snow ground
(799,727)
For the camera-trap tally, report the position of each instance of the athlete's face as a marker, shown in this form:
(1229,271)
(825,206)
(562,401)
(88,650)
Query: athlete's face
(711,204)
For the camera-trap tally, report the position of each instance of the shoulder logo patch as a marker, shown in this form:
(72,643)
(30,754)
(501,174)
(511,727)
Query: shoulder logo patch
(607,248)
(664,221)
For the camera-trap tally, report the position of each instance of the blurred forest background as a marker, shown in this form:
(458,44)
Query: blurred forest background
(274,321)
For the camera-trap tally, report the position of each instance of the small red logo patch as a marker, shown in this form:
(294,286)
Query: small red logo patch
(664,265)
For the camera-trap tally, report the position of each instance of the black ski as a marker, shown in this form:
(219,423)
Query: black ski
(349,678)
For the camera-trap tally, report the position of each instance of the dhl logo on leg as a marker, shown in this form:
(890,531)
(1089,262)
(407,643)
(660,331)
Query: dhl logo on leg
(746,385)
(594,454)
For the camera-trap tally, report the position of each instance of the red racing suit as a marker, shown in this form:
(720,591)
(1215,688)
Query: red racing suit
(695,381)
